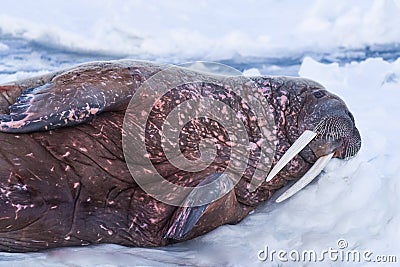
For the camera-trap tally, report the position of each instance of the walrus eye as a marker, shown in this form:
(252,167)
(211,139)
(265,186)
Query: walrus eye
(319,94)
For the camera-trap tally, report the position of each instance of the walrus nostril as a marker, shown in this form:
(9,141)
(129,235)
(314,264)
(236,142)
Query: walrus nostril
(351,116)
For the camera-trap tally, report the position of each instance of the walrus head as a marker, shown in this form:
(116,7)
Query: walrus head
(328,116)
(321,127)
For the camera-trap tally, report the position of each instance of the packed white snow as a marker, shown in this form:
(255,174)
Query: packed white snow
(206,30)
(3,47)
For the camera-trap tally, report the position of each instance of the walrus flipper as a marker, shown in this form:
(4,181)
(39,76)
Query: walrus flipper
(187,216)
(52,106)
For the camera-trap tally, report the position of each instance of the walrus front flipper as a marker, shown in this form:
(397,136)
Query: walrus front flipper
(185,222)
(187,218)
(49,107)
(69,99)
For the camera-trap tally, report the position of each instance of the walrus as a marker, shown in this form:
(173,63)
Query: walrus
(64,177)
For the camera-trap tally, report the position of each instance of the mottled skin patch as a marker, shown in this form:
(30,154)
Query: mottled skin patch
(71,186)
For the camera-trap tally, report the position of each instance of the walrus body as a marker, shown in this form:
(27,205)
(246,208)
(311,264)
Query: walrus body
(67,186)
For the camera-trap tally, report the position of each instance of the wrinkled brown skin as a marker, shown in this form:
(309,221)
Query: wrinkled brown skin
(71,186)
(65,192)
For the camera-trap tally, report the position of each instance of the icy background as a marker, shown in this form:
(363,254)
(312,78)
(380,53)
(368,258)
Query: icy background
(351,47)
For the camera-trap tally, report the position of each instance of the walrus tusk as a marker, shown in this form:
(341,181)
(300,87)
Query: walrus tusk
(313,172)
(295,149)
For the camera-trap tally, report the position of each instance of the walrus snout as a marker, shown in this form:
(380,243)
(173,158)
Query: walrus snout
(335,134)
(329,117)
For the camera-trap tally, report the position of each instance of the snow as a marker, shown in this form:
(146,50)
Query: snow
(355,200)
(3,47)
(207,30)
